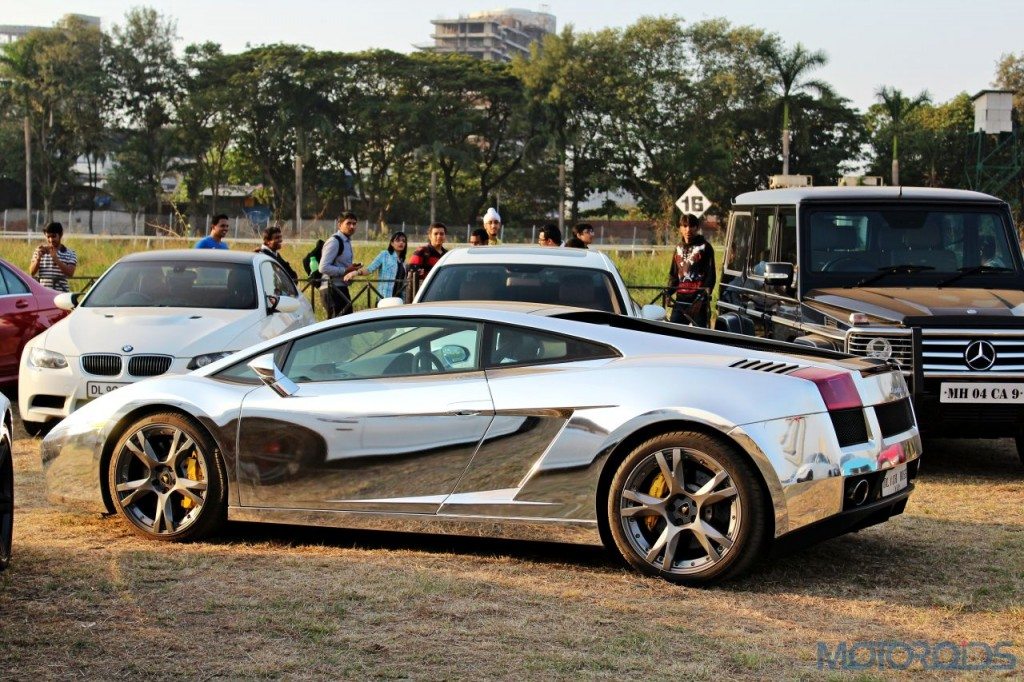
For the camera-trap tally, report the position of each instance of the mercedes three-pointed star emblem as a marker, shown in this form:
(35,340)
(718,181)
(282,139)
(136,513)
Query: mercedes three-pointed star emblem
(980,355)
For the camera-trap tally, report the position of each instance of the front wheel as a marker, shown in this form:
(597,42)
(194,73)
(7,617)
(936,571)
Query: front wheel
(167,480)
(688,508)
(6,503)
(36,429)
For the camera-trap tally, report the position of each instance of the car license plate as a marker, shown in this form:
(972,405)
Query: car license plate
(94,389)
(894,480)
(971,392)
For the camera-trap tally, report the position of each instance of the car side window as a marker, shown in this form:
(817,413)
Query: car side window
(519,346)
(385,348)
(787,235)
(762,240)
(276,281)
(739,245)
(10,283)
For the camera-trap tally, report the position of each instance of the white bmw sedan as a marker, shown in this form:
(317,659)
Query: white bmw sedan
(154,313)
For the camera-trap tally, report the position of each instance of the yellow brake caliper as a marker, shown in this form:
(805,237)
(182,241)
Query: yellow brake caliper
(192,471)
(659,488)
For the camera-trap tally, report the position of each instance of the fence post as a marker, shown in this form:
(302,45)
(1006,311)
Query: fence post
(602,234)
(634,235)
(5,220)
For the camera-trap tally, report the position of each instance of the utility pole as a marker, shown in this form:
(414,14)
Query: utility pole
(433,195)
(297,227)
(561,198)
(28,174)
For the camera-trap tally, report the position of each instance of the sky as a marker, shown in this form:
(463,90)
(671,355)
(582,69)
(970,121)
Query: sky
(942,46)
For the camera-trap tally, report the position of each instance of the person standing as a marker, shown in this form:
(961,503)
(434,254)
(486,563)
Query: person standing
(549,235)
(582,236)
(391,263)
(218,230)
(479,237)
(52,262)
(337,261)
(492,223)
(273,239)
(691,275)
(426,257)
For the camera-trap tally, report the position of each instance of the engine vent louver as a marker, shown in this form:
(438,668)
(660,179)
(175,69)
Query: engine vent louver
(765,366)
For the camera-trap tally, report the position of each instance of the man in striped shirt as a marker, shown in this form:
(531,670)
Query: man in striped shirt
(52,262)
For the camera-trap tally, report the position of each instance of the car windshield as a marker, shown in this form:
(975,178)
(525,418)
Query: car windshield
(917,241)
(149,284)
(558,285)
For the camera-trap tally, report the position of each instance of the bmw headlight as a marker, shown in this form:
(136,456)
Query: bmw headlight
(880,348)
(46,359)
(204,360)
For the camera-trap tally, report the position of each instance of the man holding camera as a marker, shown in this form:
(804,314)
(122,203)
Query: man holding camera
(52,262)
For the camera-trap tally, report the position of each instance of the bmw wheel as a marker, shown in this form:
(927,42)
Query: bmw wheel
(167,480)
(688,508)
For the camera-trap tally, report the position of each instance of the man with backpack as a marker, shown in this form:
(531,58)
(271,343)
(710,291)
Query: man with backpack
(337,261)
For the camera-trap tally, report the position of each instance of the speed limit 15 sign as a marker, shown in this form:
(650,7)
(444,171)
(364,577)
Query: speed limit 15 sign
(693,201)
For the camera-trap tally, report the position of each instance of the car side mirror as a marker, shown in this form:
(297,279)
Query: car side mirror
(454,354)
(282,304)
(652,312)
(778,274)
(390,302)
(273,377)
(66,301)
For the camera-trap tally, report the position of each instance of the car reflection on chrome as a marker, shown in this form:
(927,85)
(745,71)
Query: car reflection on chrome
(683,450)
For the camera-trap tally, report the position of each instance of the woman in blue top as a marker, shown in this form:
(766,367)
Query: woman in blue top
(391,264)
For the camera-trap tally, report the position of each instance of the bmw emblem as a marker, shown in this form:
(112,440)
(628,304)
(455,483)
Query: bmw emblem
(127,348)
(980,355)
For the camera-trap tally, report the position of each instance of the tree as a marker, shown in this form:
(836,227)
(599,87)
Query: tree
(897,108)
(789,68)
(147,81)
(18,77)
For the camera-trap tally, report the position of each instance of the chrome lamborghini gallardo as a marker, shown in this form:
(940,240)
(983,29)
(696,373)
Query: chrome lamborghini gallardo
(685,451)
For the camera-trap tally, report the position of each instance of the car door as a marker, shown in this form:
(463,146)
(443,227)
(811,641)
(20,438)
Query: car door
(275,282)
(782,309)
(387,417)
(18,310)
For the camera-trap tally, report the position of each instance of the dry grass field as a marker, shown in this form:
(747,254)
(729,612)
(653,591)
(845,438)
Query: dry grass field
(86,599)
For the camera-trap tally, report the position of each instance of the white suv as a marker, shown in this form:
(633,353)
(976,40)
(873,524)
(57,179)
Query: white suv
(558,276)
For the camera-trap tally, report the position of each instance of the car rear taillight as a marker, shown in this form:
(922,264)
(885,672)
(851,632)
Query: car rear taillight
(835,386)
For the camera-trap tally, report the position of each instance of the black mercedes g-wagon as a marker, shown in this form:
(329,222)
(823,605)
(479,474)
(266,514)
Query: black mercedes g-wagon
(929,279)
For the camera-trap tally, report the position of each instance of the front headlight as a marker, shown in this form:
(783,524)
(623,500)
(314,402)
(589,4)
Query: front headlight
(204,360)
(46,359)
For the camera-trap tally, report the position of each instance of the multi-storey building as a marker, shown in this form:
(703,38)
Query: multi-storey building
(494,35)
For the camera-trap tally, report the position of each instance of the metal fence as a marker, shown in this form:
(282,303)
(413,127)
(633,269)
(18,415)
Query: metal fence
(172,224)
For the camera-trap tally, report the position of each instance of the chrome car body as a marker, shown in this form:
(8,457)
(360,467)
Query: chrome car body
(483,437)
(198,311)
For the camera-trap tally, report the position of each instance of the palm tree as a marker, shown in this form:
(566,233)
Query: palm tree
(17,79)
(898,108)
(789,69)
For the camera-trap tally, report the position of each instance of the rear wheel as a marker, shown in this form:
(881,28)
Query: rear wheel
(688,508)
(167,480)
(6,503)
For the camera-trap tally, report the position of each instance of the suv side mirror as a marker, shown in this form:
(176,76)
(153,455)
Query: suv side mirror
(778,274)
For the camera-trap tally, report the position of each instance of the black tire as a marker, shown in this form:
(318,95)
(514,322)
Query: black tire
(686,528)
(6,503)
(36,429)
(165,487)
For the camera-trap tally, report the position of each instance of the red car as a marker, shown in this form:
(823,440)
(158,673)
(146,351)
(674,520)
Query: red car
(26,309)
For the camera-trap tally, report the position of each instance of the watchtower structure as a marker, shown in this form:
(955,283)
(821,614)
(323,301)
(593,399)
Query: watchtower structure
(995,154)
